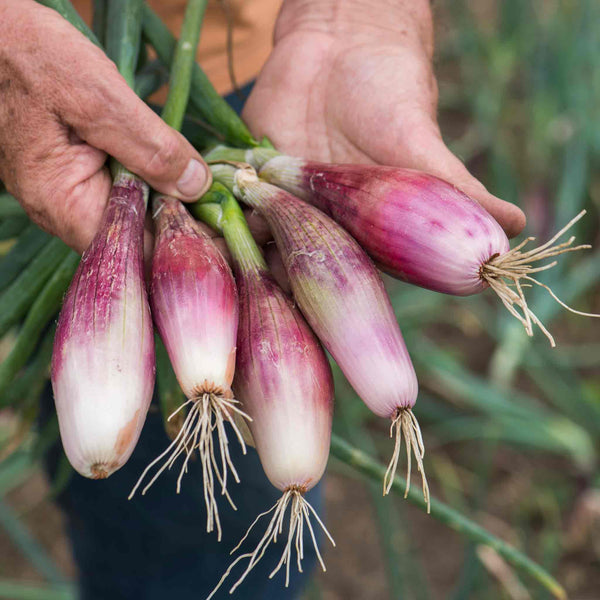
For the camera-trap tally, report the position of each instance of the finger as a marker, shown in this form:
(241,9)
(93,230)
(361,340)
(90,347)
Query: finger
(126,128)
(428,152)
(78,215)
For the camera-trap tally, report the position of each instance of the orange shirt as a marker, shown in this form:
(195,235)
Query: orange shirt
(253,22)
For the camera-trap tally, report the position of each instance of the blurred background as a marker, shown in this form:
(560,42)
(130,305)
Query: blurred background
(511,425)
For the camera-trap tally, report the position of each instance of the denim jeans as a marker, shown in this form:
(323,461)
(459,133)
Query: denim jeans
(155,546)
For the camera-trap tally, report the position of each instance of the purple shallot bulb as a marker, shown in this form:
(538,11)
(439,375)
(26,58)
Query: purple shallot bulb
(194,305)
(103,361)
(420,228)
(341,295)
(285,384)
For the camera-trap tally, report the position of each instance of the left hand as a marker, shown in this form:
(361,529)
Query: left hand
(351,81)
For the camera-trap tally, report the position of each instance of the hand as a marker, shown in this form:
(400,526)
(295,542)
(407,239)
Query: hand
(63,109)
(352,81)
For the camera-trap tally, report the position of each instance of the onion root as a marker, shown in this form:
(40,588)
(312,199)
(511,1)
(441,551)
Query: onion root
(208,413)
(405,424)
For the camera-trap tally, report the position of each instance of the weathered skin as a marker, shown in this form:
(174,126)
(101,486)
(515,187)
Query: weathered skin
(284,381)
(340,293)
(103,360)
(415,226)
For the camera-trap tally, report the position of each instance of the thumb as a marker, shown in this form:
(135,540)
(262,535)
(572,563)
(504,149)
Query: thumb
(127,129)
(444,164)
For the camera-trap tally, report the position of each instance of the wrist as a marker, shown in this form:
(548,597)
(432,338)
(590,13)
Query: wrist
(409,20)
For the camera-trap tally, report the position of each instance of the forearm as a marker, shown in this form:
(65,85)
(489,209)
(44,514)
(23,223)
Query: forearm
(410,20)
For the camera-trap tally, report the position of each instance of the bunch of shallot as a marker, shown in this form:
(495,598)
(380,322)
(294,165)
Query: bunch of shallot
(245,346)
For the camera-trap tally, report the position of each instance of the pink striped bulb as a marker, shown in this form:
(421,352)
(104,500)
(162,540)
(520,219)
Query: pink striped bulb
(194,302)
(103,359)
(285,384)
(341,294)
(415,226)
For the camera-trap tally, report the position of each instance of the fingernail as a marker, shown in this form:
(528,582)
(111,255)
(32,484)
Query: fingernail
(192,181)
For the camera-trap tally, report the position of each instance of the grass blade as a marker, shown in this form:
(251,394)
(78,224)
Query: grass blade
(372,469)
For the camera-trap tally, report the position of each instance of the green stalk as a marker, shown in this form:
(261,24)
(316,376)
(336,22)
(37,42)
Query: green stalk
(220,153)
(30,242)
(236,232)
(183,62)
(20,295)
(99,19)
(123,35)
(123,39)
(257,157)
(217,193)
(200,135)
(11,227)
(204,100)
(208,208)
(170,395)
(28,387)
(224,174)
(66,10)
(41,312)
(10,207)
(372,469)
(209,213)
(150,79)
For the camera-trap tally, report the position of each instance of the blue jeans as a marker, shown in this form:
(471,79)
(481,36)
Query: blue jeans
(155,546)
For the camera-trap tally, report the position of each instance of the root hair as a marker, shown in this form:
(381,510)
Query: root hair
(507,274)
(301,513)
(405,424)
(208,413)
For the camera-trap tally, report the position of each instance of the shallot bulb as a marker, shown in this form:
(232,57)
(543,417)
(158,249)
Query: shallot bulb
(285,383)
(421,229)
(194,305)
(103,360)
(341,295)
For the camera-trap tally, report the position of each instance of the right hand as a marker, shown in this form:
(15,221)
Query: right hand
(63,108)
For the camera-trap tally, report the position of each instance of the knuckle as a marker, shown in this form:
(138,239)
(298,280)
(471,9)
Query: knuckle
(160,166)
(86,111)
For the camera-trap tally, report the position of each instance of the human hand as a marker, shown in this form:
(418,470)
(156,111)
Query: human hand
(63,108)
(352,81)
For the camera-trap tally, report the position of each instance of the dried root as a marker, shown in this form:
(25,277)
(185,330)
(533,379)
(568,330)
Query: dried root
(300,515)
(405,424)
(207,414)
(507,274)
